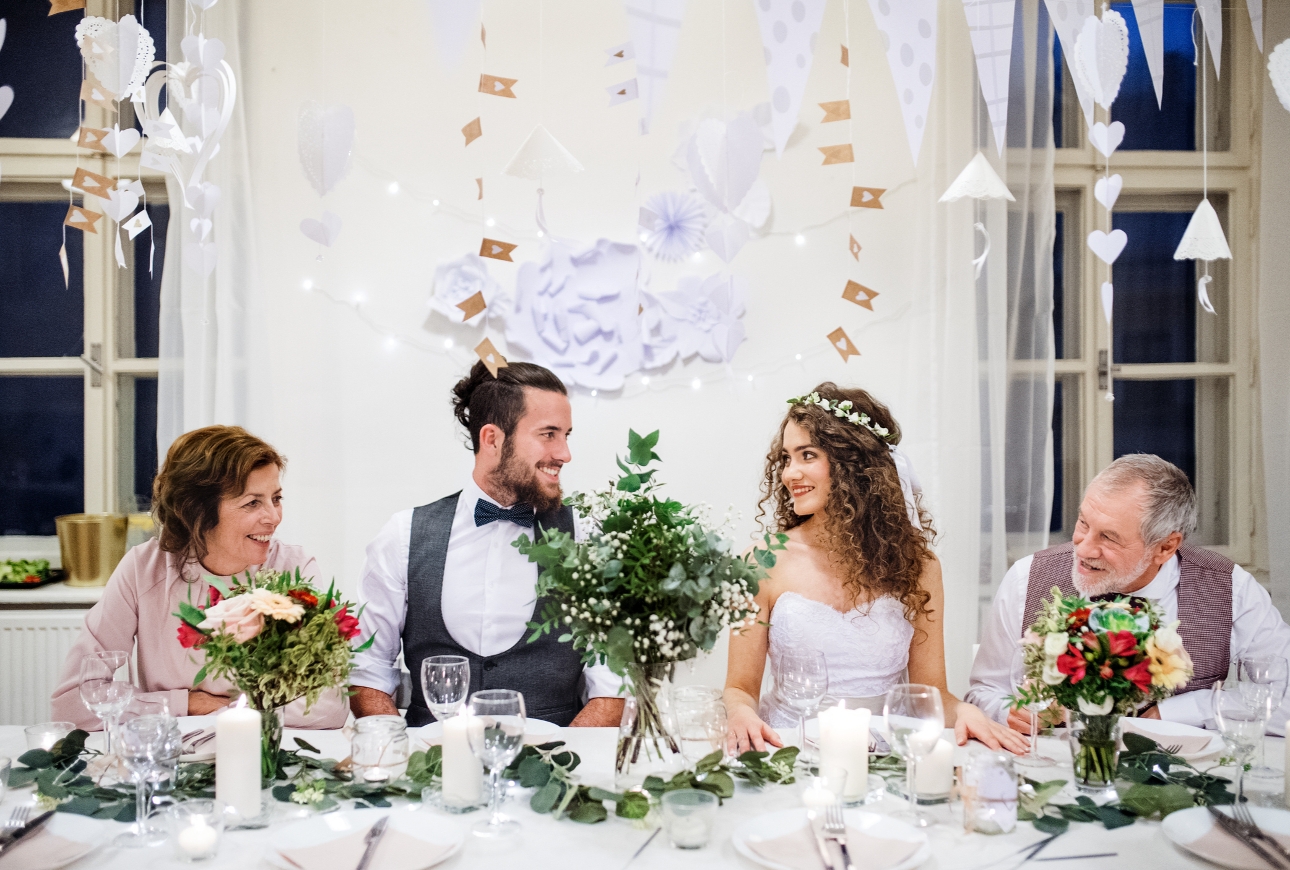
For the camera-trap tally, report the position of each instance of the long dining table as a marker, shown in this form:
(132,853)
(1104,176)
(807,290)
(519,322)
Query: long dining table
(545,842)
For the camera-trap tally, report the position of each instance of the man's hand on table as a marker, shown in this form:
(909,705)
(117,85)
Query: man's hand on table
(200,703)
(599,713)
(367,701)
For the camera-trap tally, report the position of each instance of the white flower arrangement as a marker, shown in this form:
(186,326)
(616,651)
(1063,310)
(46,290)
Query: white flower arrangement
(844,410)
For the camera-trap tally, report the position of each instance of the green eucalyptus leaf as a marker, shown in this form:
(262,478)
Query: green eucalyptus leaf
(36,758)
(306,745)
(1051,824)
(634,805)
(588,812)
(81,805)
(534,773)
(546,797)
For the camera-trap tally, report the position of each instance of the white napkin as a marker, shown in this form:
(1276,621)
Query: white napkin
(1192,744)
(1225,850)
(43,851)
(799,851)
(396,851)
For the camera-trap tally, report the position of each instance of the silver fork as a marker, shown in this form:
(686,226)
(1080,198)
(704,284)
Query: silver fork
(835,826)
(1241,813)
(17,818)
(1171,750)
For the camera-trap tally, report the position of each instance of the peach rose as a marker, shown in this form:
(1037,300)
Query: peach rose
(275,605)
(234,616)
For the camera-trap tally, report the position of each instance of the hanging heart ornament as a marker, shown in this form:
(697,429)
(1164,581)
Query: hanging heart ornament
(119,54)
(326,143)
(1279,72)
(1106,139)
(1107,190)
(1102,56)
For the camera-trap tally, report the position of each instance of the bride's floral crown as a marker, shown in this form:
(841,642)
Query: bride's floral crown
(844,410)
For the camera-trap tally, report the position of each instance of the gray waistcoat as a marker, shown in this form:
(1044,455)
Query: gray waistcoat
(547,672)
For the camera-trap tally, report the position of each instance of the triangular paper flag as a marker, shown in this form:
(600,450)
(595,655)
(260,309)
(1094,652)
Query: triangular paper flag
(472,305)
(978,180)
(655,29)
(496,85)
(57,6)
(838,110)
(497,250)
(453,23)
(867,197)
(1256,21)
(91,138)
(623,92)
(909,30)
(788,32)
(92,183)
(842,344)
(1211,16)
(82,219)
(1204,238)
(854,292)
(1150,15)
(541,155)
(855,249)
(93,92)
(138,223)
(491,357)
(472,131)
(620,53)
(1068,18)
(990,22)
(837,154)
(846,56)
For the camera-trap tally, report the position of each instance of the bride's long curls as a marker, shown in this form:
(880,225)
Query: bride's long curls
(866,525)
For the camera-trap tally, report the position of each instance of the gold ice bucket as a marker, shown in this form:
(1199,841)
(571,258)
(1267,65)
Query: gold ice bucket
(91,545)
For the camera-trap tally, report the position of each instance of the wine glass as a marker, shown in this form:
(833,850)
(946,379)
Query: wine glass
(1022,680)
(1242,711)
(105,695)
(496,735)
(802,680)
(1271,672)
(445,682)
(915,720)
(149,747)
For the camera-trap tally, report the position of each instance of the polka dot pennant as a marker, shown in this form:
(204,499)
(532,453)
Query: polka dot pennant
(789,30)
(908,29)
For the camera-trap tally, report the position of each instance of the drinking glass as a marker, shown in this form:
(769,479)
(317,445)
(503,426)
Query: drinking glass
(801,680)
(1242,711)
(196,827)
(496,735)
(105,695)
(696,717)
(1020,679)
(915,720)
(146,745)
(380,749)
(1271,672)
(688,814)
(445,682)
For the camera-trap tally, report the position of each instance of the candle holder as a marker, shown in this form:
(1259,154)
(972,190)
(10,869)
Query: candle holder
(688,815)
(45,735)
(196,828)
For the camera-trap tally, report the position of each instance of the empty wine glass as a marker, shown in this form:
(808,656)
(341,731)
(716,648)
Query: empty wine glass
(105,695)
(149,747)
(801,681)
(1271,672)
(1021,680)
(496,735)
(915,720)
(1242,711)
(445,682)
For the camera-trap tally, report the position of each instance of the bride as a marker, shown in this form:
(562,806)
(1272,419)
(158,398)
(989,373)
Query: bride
(857,581)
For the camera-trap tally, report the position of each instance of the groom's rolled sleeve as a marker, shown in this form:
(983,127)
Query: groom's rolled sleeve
(601,682)
(383,597)
(992,669)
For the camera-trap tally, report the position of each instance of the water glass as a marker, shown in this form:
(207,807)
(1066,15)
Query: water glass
(1241,711)
(989,792)
(1021,680)
(45,735)
(688,814)
(914,719)
(445,683)
(801,681)
(196,828)
(696,717)
(380,748)
(1272,673)
(105,695)
(496,735)
(149,746)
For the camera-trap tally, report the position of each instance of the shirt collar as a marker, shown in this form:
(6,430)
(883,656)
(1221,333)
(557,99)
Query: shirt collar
(1165,581)
(470,493)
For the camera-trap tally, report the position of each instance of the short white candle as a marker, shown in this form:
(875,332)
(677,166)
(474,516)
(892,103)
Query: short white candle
(237,760)
(935,773)
(463,775)
(815,798)
(197,840)
(844,747)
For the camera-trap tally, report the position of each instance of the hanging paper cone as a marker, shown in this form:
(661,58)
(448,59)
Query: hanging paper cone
(541,155)
(1204,238)
(978,180)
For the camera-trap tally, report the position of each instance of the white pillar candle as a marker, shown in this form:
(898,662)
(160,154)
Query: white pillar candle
(844,747)
(463,775)
(935,773)
(237,760)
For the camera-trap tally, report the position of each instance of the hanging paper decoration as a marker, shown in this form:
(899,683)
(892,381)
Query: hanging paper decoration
(1279,72)
(867,197)
(859,294)
(854,247)
(459,281)
(496,250)
(541,155)
(1107,246)
(496,86)
(700,316)
(491,356)
(1211,17)
(118,54)
(1068,17)
(623,92)
(1106,138)
(6,92)
(472,131)
(724,160)
(1150,15)
(57,6)
(324,231)
(576,311)
(837,154)
(1204,238)
(82,219)
(909,31)
(202,5)
(325,137)
(1102,56)
(978,180)
(1256,20)
(990,23)
(620,53)
(788,32)
(1108,301)
(838,110)
(1107,190)
(672,224)
(453,23)
(655,28)
(842,344)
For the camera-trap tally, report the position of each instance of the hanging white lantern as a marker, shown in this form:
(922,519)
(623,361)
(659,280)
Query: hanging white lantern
(1204,239)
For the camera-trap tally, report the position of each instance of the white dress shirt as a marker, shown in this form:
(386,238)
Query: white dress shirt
(489,591)
(1258,631)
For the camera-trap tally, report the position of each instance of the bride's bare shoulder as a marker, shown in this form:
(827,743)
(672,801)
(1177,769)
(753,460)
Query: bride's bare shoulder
(777,577)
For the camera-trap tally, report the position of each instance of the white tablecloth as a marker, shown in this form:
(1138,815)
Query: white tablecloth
(546,843)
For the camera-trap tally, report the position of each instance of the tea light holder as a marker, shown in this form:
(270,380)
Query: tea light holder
(45,735)
(196,828)
(688,815)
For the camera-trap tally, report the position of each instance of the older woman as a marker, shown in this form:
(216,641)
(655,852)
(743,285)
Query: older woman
(218,502)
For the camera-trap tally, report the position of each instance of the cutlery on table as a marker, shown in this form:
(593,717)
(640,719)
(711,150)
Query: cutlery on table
(13,835)
(822,844)
(1237,831)
(373,839)
(17,818)
(1171,750)
(835,829)
(1074,857)
(1243,817)
(637,853)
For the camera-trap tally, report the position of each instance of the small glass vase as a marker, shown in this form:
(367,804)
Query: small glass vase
(1095,752)
(271,719)
(645,745)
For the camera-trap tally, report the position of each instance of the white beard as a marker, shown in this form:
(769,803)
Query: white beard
(1111,582)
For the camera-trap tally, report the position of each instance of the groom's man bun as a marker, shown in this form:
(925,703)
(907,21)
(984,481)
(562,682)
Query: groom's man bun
(479,398)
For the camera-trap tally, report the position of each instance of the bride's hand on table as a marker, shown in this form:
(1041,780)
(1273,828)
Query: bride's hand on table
(970,722)
(747,731)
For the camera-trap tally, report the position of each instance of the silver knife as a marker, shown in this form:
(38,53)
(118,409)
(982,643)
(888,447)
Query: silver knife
(1253,830)
(7,840)
(1228,824)
(373,839)
(820,842)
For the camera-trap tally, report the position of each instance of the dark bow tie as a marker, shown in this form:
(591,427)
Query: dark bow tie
(487,512)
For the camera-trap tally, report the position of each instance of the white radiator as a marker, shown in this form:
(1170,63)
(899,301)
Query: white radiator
(33,646)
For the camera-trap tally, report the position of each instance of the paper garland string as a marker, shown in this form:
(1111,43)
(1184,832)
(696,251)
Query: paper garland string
(837,154)
(867,197)
(854,291)
(496,250)
(842,344)
(497,86)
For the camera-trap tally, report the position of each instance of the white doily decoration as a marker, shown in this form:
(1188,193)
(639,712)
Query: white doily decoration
(1102,56)
(978,180)
(541,156)
(700,316)
(326,143)
(1279,72)
(1204,238)
(673,223)
(457,280)
(119,54)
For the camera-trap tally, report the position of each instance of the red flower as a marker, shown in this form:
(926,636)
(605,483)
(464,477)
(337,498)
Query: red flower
(1122,643)
(215,597)
(1139,675)
(1078,617)
(190,637)
(1105,672)
(348,625)
(1072,665)
(304,596)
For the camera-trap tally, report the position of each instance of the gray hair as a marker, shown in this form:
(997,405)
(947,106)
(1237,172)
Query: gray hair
(1170,502)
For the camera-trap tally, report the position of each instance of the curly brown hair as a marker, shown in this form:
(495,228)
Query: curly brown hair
(880,551)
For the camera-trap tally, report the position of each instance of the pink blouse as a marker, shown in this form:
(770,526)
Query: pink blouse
(138,607)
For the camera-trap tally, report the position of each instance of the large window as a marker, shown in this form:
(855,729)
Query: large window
(78,360)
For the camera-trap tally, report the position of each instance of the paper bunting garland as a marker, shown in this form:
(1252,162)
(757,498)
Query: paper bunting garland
(724,159)
(471,307)
(909,30)
(541,155)
(325,139)
(82,219)
(842,344)
(1279,72)
(788,32)
(854,247)
(846,56)
(93,92)
(655,28)
(496,85)
(1107,246)
(854,291)
(1107,190)
(1150,15)
(453,23)
(1256,20)
(838,110)
(138,223)
(57,6)
(91,138)
(837,154)
(472,131)
(118,54)
(118,142)
(1211,16)
(1204,238)
(990,24)
(867,197)
(1106,139)
(92,183)
(490,356)
(1068,17)
(623,92)
(673,223)
(463,289)
(978,180)
(620,53)
(324,231)
(1102,56)
(496,250)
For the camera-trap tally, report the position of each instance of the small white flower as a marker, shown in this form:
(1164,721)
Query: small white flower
(1088,708)
(1055,644)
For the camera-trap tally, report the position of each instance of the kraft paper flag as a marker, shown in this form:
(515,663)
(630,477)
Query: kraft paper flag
(655,29)
(496,250)
(57,6)
(788,32)
(620,53)
(867,197)
(480,183)
(909,31)
(854,292)
(1068,18)
(846,56)
(623,92)
(489,354)
(1151,28)
(842,344)
(838,110)
(483,35)
(472,305)
(91,138)
(496,85)
(82,219)
(990,23)
(92,183)
(837,154)
(855,249)
(472,131)
(93,92)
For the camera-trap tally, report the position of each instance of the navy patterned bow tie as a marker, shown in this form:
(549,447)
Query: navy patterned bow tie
(487,512)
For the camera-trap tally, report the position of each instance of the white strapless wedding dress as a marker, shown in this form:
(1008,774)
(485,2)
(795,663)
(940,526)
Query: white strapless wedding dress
(866,649)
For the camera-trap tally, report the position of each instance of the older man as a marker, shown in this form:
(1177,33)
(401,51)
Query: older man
(1130,540)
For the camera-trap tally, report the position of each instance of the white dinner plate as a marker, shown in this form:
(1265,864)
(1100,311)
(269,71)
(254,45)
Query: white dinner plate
(89,833)
(1161,731)
(1184,827)
(777,824)
(532,728)
(424,826)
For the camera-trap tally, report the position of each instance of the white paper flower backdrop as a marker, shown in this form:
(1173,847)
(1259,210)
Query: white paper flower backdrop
(673,223)
(699,316)
(460,279)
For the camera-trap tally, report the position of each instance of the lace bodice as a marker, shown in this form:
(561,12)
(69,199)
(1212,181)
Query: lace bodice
(867,649)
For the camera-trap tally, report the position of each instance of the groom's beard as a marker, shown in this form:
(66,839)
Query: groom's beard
(522,482)
(1108,583)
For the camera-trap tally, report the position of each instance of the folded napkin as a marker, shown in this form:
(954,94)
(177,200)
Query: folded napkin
(42,851)
(1192,744)
(1222,848)
(798,850)
(396,851)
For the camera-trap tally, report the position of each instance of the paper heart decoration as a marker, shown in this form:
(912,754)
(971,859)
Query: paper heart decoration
(118,53)
(137,224)
(725,158)
(3,29)
(202,53)
(202,198)
(1108,300)
(201,257)
(325,231)
(6,98)
(325,137)
(120,204)
(120,142)
(1102,56)
(1106,139)
(1107,190)
(1279,72)
(1107,246)
(727,235)
(201,227)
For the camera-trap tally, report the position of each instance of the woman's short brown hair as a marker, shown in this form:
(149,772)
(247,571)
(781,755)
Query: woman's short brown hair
(201,468)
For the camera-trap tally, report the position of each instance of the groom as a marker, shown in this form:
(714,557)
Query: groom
(443,579)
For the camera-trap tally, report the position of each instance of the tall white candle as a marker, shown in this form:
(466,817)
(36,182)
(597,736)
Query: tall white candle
(237,760)
(844,746)
(935,773)
(463,775)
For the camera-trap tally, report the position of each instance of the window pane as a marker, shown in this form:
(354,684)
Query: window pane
(42,64)
(42,450)
(139,317)
(41,316)
(1171,124)
(1067,489)
(137,440)
(1068,248)
(1187,423)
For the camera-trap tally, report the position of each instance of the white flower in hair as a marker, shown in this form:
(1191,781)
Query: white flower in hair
(843,410)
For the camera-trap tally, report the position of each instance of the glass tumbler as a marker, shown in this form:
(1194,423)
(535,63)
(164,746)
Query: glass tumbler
(688,815)
(196,828)
(380,748)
